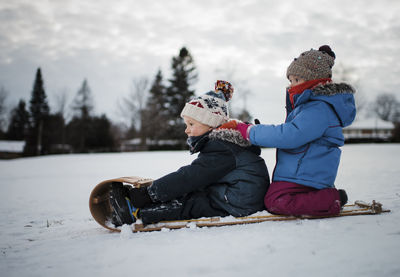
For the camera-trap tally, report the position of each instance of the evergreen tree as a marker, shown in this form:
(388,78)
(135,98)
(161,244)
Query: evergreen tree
(396,132)
(39,110)
(83,101)
(98,135)
(3,110)
(19,124)
(155,115)
(85,132)
(179,92)
(79,126)
(52,141)
(74,135)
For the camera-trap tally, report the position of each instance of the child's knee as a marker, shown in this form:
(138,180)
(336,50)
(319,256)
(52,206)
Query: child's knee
(276,205)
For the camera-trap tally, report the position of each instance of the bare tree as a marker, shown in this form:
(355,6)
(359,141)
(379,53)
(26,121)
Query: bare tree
(345,73)
(387,107)
(133,106)
(241,94)
(61,100)
(348,74)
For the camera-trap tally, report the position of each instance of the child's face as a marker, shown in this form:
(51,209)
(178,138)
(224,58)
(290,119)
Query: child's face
(294,80)
(195,128)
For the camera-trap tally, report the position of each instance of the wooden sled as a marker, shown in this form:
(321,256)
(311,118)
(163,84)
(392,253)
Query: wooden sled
(101,211)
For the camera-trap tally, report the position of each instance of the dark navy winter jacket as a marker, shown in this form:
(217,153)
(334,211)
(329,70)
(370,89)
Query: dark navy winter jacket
(228,168)
(308,142)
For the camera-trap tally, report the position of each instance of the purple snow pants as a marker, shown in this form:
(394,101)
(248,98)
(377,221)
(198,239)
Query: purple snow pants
(292,199)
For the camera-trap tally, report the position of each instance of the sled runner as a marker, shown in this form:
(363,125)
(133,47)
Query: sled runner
(99,204)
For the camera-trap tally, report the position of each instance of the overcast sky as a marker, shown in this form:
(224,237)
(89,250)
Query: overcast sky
(248,42)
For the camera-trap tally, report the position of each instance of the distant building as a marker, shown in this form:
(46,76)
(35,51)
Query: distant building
(130,145)
(10,149)
(369,130)
(137,145)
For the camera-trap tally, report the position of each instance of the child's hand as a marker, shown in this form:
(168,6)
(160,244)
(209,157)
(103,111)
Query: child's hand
(229,125)
(244,129)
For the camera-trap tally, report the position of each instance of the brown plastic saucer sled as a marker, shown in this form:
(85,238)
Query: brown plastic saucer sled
(99,204)
(99,200)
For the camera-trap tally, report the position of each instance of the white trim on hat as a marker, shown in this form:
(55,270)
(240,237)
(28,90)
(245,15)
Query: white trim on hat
(203,115)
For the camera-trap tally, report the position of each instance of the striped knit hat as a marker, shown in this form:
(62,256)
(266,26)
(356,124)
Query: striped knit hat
(313,64)
(211,108)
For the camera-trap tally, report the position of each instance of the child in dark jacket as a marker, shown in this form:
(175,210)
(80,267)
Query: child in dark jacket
(227,178)
(308,142)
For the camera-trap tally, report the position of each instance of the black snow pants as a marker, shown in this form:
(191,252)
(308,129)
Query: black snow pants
(193,205)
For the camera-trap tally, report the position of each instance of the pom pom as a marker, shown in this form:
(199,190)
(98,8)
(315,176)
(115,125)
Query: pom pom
(225,88)
(326,49)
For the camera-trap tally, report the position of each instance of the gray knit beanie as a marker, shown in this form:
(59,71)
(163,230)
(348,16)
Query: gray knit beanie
(313,64)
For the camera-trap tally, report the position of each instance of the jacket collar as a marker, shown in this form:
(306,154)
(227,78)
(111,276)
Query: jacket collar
(340,96)
(228,135)
(322,89)
(299,89)
(196,143)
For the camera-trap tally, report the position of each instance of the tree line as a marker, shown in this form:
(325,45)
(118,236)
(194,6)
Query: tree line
(153,112)
(48,133)
(154,116)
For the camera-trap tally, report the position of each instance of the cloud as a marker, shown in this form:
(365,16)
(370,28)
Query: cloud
(250,41)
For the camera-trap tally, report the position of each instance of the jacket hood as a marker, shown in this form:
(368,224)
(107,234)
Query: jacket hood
(340,96)
(229,135)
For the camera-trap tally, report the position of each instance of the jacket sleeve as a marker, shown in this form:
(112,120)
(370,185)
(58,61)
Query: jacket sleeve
(307,126)
(215,161)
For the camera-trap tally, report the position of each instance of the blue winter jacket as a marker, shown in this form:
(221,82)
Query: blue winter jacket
(308,142)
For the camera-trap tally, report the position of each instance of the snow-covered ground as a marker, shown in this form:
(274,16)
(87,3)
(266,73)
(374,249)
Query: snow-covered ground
(46,228)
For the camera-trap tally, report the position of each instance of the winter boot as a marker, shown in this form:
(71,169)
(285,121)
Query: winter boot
(343,197)
(123,212)
(140,197)
(162,211)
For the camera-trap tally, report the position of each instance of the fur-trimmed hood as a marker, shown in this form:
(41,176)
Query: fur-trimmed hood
(330,89)
(229,135)
(340,96)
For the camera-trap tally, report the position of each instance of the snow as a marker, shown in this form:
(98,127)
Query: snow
(12,146)
(46,228)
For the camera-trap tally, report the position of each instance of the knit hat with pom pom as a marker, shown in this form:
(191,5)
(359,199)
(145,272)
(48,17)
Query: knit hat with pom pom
(211,108)
(313,64)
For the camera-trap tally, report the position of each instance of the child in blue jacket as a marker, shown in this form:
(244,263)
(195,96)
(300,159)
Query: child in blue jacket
(308,153)
(227,178)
